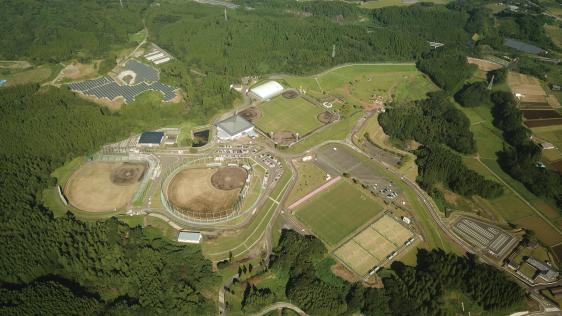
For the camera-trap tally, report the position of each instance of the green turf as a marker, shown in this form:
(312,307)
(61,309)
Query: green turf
(310,177)
(338,211)
(32,75)
(296,115)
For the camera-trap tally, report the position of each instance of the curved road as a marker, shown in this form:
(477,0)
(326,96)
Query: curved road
(280,305)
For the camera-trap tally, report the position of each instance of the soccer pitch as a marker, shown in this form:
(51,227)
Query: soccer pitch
(296,115)
(338,211)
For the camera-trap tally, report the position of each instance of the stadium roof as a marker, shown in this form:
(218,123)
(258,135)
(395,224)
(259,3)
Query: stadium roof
(268,90)
(151,138)
(189,237)
(234,125)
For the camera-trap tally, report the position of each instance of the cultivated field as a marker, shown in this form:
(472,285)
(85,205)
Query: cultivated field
(374,245)
(295,115)
(338,211)
(532,94)
(206,189)
(104,186)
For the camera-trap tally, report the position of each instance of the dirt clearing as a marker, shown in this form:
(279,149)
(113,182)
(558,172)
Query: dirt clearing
(102,186)
(251,114)
(327,117)
(484,65)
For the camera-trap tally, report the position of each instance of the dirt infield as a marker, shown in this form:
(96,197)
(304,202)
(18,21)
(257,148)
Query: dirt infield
(284,137)
(326,117)
(290,94)
(102,186)
(251,114)
(541,123)
(483,64)
(229,178)
(193,189)
(540,114)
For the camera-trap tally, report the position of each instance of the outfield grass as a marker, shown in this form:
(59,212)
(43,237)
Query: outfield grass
(238,244)
(310,177)
(296,115)
(338,211)
(334,131)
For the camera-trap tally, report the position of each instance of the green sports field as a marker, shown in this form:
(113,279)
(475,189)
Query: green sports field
(295,115)
(338,211)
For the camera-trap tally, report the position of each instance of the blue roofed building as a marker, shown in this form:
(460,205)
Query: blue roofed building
(151,139)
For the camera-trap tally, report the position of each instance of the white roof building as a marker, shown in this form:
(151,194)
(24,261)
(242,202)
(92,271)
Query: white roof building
(189,237)
(267,90)
(234,127)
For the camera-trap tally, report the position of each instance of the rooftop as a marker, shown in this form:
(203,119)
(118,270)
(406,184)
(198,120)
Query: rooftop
(189,237)
(521,46)
(151,138)
(234,125)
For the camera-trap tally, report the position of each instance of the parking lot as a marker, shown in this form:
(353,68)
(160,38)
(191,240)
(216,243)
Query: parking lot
(337,159)
(488,238)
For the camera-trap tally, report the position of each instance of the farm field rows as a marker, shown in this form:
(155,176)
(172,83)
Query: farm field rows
(338,211)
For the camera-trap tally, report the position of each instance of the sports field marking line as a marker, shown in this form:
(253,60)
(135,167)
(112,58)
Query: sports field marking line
(326,160)
(255,229)
(319,189)
(365,249)
(274,200)
(318,83)
(541,215)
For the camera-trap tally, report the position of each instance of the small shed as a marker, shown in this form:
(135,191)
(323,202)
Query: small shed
(189,237)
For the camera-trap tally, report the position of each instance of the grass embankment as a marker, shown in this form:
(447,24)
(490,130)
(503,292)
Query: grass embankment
(310,177)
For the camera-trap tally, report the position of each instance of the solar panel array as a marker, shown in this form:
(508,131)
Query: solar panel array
(144,72)
(106,87)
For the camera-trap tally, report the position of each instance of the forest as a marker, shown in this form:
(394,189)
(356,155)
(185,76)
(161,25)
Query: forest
(438,164)
(101,267)
(521,159)
(407,290)
(265,41)
(55,30)
(434,119)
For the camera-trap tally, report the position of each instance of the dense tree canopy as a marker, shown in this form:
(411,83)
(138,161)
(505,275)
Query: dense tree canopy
(407,290)
(520,160)
(56,30)
(447,67)
(41,129)
(435,119)
(474,94)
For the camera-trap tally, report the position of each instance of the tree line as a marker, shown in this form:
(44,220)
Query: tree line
(58,265)
(521,159)
(407,290)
